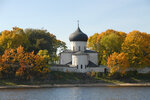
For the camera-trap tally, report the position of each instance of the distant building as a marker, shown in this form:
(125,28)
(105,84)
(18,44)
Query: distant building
(78,59)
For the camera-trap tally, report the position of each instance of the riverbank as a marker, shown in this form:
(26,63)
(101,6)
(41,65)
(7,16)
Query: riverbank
(77,85)
(61,79)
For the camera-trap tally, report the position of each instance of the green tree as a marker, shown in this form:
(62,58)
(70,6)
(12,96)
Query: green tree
(43,40)
(109,44)
(40,40)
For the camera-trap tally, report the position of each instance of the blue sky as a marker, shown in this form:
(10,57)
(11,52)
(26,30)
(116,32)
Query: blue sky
(60,16)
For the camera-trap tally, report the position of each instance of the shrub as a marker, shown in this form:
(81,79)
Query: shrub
(92,74)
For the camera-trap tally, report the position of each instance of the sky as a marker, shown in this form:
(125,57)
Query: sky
(59,17)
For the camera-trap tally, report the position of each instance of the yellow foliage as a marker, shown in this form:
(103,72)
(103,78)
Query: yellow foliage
(117,62)
(106,43)
(92,74)
(13,38)
(137,46)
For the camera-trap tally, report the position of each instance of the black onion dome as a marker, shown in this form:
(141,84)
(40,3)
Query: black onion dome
(78,35)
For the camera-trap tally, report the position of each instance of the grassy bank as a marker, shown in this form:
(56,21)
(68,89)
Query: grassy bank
(81,78)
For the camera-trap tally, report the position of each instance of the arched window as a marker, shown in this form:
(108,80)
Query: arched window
(79,48)
(81,66)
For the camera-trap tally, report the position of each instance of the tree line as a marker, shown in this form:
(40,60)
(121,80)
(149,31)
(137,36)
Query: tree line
(32,40)
(24,54)
(31,49)
(119,50)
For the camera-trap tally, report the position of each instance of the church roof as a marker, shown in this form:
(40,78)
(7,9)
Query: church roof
(67,51)
(90,51)
(91,64)
(78,35)
(80,53)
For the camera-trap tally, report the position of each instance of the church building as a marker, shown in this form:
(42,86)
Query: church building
(78,58)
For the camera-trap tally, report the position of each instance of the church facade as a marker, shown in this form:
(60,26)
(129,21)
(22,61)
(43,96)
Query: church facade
(78,58)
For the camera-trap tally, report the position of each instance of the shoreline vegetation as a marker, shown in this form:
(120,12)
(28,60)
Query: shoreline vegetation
(67,79)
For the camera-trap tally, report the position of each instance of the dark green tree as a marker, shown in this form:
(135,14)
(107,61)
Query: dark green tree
(43,40)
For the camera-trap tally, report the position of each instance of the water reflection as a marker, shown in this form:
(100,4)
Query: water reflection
(77,93)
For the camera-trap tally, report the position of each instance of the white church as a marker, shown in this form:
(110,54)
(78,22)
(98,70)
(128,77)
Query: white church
(78,59)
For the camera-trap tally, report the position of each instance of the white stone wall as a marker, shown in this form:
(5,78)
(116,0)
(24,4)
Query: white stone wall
(90,69)
(143,70)
(140,70)
(80,60)
(65,58)
(74,69)
(75,45)
(93,57)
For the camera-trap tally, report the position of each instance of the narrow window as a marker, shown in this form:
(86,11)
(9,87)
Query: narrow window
(81,66)
(84,48)
(79,48)
(77,66)
(74,61)
(73,48)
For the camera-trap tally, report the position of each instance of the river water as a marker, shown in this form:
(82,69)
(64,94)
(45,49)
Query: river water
(77,93)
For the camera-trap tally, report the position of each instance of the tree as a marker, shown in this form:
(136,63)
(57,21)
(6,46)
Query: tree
(109,44)
(21,64)
(7,64)
(106,43)
(41,39)
(31,66)
(92,42)
(117,62)
(44,54)
(137,46)
(13,39)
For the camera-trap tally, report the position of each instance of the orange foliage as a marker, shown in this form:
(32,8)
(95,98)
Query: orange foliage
(117,62)
(16,62)
(137,46)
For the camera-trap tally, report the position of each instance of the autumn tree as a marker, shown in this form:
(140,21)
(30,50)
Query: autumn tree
(92,42)
(13,39)
(31,66)
(106,43)
(23,65)
(44,54)
(117,63)
(137,46)
(7,64)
